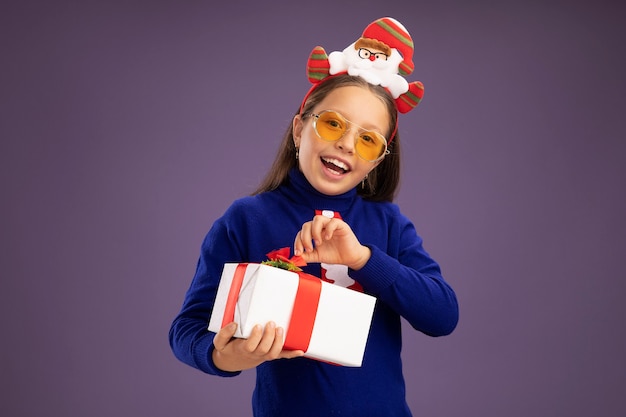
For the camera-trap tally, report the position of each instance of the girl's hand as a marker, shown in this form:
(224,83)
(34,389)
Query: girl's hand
(264,344)
(332,241)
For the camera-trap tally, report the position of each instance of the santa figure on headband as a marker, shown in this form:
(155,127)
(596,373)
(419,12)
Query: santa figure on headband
(381,56)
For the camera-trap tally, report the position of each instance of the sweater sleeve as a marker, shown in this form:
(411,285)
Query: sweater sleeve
(410,282)
(189,338)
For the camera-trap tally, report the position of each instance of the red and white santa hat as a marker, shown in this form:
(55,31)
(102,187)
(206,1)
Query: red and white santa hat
(392,33)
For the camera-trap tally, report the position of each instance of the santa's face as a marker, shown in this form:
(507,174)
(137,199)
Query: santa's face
(365,58)
(372,59)
(372,54)
(334,168)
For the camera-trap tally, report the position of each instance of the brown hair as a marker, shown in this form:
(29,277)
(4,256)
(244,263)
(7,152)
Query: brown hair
(381,183)
(372,43)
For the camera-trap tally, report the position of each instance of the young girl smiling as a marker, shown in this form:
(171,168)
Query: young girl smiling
(328,196)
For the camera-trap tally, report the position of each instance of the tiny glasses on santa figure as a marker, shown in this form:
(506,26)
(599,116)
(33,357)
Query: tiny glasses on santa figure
(331,126)
(365,53)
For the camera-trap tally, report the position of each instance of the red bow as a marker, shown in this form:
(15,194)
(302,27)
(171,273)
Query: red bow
(280,258)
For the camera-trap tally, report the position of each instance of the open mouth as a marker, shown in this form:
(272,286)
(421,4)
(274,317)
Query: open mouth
(335,165)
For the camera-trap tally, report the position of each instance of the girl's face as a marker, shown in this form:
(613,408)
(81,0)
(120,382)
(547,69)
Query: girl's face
(334,168)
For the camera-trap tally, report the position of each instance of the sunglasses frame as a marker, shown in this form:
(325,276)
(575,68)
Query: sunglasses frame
(316,117)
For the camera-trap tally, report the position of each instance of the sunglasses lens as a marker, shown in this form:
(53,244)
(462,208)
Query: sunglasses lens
(370,145)
(331,125)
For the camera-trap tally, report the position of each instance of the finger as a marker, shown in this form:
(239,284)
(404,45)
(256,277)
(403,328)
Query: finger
(305,237)
(252,342)
(304,244)
(340,231)
(329,229)
(310,257)
(224,335)
(297,245)
(318,225)
(279,341)
(266,342)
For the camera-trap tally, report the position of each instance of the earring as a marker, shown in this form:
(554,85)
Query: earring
(297,153)
(363,181)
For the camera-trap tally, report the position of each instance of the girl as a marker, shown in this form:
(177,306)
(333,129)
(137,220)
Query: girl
(329,196)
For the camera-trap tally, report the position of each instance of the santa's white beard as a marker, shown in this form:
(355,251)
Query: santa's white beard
(377,72)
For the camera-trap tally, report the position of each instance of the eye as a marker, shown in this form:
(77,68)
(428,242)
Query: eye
(334,123)
(368,138)
(364,53)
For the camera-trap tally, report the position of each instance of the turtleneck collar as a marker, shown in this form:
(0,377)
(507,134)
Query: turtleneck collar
(301,192)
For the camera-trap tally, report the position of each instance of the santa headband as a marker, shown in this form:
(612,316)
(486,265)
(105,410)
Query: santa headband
(382,56)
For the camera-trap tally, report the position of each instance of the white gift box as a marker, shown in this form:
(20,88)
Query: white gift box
(341,323)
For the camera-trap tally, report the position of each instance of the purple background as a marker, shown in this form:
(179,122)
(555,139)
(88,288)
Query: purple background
(128,127)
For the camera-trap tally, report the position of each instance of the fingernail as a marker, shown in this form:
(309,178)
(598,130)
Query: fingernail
(280,331)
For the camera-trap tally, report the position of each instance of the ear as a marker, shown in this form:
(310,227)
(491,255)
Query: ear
(297,126)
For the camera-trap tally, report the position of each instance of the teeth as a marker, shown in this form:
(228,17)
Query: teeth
(336,163)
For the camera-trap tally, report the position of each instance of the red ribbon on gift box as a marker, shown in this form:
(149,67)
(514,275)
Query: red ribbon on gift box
(305,306)
(307,298)
(233,294)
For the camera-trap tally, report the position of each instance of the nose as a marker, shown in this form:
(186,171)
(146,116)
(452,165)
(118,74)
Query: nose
(347,141)
(372,57)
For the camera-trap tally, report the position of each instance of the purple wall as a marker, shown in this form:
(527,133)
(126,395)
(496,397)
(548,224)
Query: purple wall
(127,129)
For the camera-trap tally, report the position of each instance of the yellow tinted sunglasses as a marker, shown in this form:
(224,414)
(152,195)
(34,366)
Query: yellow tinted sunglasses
(332,126)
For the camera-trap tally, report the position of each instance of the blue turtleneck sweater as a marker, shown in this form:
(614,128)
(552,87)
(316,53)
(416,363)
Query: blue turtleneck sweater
(400,274)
